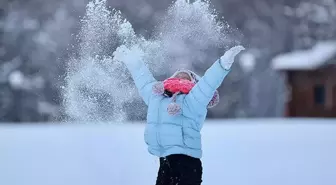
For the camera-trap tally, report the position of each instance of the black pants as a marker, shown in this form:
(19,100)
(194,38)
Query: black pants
(179,169)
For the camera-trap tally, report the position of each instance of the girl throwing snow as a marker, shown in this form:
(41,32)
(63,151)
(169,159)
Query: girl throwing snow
(177,108)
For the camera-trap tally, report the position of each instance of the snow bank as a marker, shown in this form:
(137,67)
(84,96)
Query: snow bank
(313,58)
(236,152)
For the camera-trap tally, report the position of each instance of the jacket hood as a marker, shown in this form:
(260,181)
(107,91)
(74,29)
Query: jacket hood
(174,108)
(193,76)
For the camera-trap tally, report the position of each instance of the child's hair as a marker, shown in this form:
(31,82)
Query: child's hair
(167,93)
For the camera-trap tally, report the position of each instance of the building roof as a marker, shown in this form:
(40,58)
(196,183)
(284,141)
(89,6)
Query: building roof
(313,58)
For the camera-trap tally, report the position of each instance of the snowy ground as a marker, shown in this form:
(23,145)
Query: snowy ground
(236,152)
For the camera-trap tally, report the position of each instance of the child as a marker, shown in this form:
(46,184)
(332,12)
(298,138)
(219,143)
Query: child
(176,113)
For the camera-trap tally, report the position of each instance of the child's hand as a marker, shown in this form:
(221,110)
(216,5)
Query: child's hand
(229,56)
(127,55)
(121,53)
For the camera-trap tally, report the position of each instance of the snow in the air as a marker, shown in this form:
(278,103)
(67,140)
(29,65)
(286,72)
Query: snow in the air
(16,79)
(247,61)
(236,152)
(312,58)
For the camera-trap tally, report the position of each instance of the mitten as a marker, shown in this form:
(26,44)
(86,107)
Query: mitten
(229,57)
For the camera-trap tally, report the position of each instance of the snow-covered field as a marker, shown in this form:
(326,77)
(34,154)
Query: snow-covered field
(236,152)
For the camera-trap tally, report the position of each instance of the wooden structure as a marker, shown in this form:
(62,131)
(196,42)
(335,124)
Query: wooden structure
(311,80)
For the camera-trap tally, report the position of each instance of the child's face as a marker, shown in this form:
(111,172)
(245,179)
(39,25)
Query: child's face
(183,75)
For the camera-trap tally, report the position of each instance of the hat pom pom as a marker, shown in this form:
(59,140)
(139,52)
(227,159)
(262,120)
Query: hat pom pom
(214,101)
(158,88)
(174,109)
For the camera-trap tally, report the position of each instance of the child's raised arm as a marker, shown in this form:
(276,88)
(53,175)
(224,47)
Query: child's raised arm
(141,75)
(202,93)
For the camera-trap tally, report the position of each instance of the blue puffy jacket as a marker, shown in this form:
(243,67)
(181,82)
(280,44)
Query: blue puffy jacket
(180,134)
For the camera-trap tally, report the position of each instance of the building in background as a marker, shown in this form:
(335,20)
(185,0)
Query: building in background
(311,80)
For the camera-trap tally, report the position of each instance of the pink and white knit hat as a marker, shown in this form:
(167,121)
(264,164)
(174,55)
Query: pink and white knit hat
(174,108)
